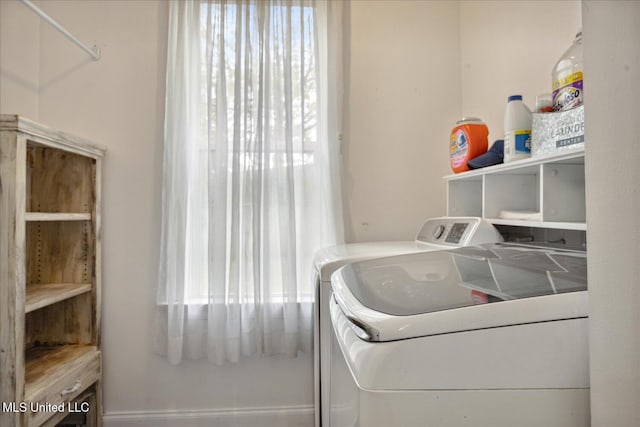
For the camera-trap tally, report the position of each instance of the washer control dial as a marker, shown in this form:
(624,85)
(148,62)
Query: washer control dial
(437,233)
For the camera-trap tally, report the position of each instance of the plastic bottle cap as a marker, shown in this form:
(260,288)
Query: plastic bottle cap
(469,120)
(515,98)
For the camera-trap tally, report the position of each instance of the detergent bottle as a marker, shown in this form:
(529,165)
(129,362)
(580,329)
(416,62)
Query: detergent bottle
(517,130)
(469,139)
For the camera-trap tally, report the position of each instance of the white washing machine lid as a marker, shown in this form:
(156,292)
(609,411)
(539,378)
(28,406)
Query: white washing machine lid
(461,289)
(328,260)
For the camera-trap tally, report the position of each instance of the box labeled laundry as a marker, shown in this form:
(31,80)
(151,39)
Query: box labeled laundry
(552,133)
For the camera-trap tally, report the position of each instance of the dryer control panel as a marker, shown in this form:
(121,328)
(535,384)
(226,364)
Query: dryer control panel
(458,231)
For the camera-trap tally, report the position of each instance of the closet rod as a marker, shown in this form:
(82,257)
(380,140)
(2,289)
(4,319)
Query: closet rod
(94,51)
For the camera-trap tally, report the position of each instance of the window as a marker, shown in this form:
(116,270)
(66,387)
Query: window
(249,188)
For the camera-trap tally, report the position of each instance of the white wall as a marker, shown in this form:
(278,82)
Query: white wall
(417,67)
(404,99)
(612,72)
(19,59)
(509,48)
(118,102)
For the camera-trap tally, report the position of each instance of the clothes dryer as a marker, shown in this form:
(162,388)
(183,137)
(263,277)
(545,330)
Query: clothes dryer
(494,335)
(435,234)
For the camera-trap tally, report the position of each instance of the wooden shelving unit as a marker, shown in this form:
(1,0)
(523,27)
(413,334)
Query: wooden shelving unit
(50,277)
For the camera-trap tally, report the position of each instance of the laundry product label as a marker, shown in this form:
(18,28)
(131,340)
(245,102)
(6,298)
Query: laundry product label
(458,148)
(522,141)
(567,92)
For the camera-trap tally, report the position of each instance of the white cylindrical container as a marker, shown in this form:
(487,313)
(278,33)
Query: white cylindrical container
(567,78)
(517,130)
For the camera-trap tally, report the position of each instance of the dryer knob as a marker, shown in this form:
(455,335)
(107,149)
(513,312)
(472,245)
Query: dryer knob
(437,233)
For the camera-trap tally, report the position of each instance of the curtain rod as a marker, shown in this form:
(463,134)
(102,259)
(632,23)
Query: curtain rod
(94,51)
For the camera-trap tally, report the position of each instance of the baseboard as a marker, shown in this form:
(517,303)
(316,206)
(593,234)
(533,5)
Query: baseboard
(289,416)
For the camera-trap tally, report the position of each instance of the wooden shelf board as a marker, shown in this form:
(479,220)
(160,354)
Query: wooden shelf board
(45,216)
(540,224)
(42,295)
(44,365)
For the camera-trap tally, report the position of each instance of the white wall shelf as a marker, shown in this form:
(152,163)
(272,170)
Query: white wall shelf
(552,186)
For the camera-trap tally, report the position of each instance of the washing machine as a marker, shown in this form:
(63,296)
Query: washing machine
(493,335)
(435,234)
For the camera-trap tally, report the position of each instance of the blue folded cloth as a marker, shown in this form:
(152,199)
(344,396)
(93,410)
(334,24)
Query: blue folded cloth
(494,156)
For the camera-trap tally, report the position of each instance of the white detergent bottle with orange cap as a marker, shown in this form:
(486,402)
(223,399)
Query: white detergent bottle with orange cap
(517,130)
(468,140)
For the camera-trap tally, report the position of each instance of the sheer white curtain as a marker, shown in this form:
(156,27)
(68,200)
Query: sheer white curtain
(251,182)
